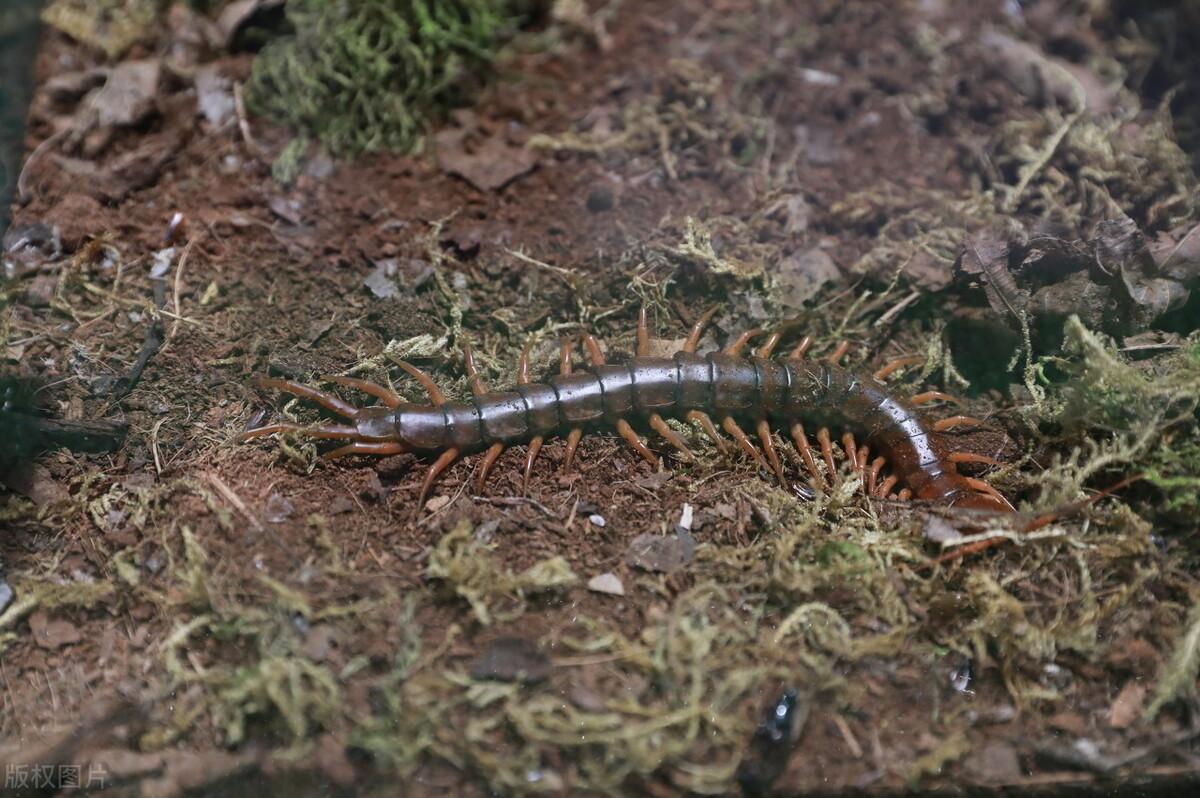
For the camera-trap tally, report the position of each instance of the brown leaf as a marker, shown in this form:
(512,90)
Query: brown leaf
(52,632)
(490,166)
(986,255)
(1127,706)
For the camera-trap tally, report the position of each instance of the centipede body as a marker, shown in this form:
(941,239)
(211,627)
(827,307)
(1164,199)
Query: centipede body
(789,395)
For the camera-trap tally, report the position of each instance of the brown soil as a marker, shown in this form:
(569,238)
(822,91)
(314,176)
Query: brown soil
(274,283)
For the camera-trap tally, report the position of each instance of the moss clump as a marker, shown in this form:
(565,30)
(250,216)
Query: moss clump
(369,75)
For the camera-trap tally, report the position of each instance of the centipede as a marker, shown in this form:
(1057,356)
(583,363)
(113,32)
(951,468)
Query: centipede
(883,438)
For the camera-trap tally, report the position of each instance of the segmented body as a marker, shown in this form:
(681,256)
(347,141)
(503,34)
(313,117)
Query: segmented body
(766,394)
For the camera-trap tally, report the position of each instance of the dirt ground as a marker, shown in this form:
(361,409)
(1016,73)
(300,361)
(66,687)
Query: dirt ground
(194,612)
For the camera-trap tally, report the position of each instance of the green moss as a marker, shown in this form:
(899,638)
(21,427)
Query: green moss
(370,75)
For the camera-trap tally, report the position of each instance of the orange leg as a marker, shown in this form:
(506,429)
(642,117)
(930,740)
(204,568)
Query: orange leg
(968,457)
(730,426)
(801,348)
(827,450)
(851,450)
(572,443)
(768,346)
(435,393)
(535,446)
(801,441)
(441,464)
(739,342)
(669,435)
(523,365)
(873,474)
(626,432)
(485,468)
(326,400)
(764,435)
(565,350)
(934,396)
(643,334)
(380,449)
(898,363)
(693,339)
(710,429)
(385,395)
(983,487)
(593,350)
(885,488)
(473,377)
(959,421)
(837,354)
(904,495)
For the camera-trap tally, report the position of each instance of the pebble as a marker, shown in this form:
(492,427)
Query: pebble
(606,583)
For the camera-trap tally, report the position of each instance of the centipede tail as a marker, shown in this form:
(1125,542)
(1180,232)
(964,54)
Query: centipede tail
(883,440)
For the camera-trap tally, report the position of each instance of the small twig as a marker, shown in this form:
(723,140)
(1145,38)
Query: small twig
(228,494)
(150,346)
(178,288)
(239,104)
(23,195)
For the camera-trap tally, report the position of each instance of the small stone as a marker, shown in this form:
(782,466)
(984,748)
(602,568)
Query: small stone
(597,520)
(996,763)
(601,199)
(279,508)
(606,583)
(6,594)
(659,553)
(437,503)
(512,659)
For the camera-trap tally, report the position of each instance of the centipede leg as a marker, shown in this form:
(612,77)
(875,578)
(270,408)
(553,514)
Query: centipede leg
(473,377)
(969,457)
(827,450)
(801,348)
(898,363)
(435,393)
(523,365)
(565,349)
(669,435)
(710,429)
(944,424)
(731,426)
(693,339)
(764,435)
(326,400)
(389,397)
(905,495)
(801,440)
(886,486)
(935,396)
(983,487)
(572,443)
(535,446)
(643,334)
(851,449)
(379,449)
(735,348)
(838,353)
(593,349)
(485,468)
(873,474)
(631,437)
(768,346)
(441,464)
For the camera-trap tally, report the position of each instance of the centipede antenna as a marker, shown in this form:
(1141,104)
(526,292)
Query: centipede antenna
(838,353)
(627,432)
(643,334)
(801,441)
(435,393)
(764,435)
(593,349)
(669,435)
(573,438)
(827,450)
(326,431)
(731,426)
(378,449)
(768,346)
(535,446)
(441,464)
(389,397)
(523,364)
(971,457)
(476,382)
(485,468)
(936,396)
(898,363)
(941,425)
(801,348)
(693,339)
(326,400)
(741,341)
(710,429)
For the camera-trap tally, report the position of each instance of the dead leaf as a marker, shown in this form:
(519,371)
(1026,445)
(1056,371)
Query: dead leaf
(801,275)
(490,166)
(986,255)
(996,763)
(52,632)
(1127,706)
(512,659)
(659,553)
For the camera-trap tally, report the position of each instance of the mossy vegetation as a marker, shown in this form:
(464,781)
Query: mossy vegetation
(372,75)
